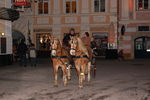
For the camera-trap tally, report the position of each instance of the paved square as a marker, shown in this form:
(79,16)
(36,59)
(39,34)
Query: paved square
(115,80)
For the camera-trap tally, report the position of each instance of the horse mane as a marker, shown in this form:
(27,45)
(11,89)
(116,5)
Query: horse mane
(60,44)
(82,47)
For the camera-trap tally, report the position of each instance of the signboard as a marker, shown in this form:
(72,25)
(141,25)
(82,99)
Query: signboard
(148,50)
(22,3)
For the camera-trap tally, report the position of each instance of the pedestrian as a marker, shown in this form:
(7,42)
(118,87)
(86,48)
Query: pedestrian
(86,39)
(120,55)
(22,51)
(32,52)
(93,46)
(15,53)
(87,42)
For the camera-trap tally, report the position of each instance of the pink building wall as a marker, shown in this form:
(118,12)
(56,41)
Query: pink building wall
(131,21)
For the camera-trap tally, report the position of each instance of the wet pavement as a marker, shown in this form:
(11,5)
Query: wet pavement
(115,80)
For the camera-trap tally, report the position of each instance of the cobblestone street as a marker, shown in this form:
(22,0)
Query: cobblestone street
(115,80)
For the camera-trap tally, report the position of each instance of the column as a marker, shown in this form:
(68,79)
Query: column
(125,9)
(56,9)
(85,6)
(8,34)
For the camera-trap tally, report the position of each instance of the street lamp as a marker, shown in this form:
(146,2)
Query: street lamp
(2,34)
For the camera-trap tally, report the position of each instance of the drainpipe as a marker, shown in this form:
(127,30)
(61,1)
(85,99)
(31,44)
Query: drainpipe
(118,12)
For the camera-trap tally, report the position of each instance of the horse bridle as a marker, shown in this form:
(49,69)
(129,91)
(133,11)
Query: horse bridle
(59,57)
(52,43)
(75,49)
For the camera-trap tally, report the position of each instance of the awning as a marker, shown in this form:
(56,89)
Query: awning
(16,35)
(8,14)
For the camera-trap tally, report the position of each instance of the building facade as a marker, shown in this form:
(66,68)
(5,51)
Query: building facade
(119,24)
(5,36)
(56,17)
(135,16)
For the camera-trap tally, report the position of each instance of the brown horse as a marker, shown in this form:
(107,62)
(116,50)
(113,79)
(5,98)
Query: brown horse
(81,59)
(60,59)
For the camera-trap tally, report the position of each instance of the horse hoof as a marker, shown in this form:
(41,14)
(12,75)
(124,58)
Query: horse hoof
(81,87)
(69,79)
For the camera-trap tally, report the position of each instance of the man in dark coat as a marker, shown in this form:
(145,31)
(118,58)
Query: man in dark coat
(66,40)
(68,36)
(22,50)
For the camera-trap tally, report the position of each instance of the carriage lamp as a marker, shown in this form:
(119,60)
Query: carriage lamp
(41,40)
(81,74)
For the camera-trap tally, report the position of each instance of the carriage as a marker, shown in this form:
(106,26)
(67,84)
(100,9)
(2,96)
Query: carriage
(61,56)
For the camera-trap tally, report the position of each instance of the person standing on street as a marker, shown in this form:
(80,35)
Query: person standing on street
(32,52)
(87,42)
(22,50)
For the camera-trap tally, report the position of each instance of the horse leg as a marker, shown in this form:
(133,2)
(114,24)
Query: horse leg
(89,71)
(83,70)
(56,76)
(69,72)
(64,69)
(79,76)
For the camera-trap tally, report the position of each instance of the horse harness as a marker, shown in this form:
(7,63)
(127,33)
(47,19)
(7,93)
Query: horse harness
(60,59)
(77,57)
(84,56)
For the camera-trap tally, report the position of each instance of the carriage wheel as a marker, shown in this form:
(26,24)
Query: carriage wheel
(94,71)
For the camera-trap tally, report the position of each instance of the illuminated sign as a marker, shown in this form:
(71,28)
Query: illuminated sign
(148,50)
(22,3)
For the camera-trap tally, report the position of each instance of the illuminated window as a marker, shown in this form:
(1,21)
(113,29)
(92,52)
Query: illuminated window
(43,7)
(143,5)
(71,6)
(99,5)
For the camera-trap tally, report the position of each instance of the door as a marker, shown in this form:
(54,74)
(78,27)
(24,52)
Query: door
(142,47)
(3,45)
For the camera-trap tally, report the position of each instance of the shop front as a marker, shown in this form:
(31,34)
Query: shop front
(7,15)
(42,42)
(101,43)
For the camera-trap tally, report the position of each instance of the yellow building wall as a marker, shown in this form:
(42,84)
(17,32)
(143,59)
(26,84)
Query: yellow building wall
(88,21)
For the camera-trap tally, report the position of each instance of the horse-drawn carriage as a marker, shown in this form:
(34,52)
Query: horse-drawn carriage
(78,54)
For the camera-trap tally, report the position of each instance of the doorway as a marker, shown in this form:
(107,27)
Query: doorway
(142,47)
(43,44)
(101,43)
